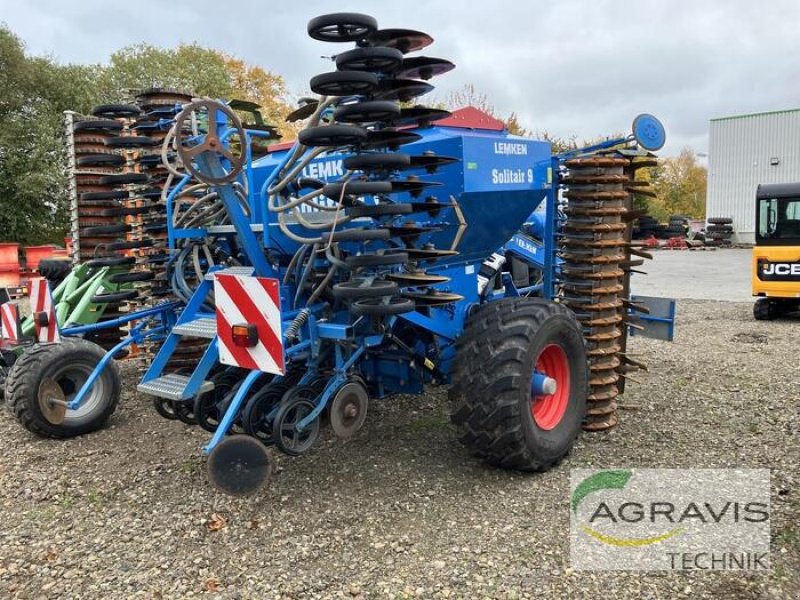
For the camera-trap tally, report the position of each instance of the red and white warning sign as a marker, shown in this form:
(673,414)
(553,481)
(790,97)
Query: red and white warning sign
(9,323)
(44,312)
(249,305)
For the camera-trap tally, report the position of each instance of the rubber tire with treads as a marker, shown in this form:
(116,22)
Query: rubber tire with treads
(495,358)
(765,309)
(720,220)
(39,362)
(54,270)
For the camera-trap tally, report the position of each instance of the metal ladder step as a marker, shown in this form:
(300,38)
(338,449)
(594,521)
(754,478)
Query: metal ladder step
(171,386)
(204,327)
(231,271)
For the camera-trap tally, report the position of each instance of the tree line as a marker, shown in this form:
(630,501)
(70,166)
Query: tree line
(35,91)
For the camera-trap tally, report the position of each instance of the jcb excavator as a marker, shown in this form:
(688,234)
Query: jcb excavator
(776,255)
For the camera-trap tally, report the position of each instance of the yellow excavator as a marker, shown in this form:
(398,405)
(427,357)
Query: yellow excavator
(776,255)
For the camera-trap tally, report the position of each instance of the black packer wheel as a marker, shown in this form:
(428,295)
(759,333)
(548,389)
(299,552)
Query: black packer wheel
(184,411)
(332,135)
(375,60)
(502,420)
(209,407)
(296,406)
(239,465)
(343,83)
(165,408)
(382,307)
(367,112)
(342,27)
(258,414)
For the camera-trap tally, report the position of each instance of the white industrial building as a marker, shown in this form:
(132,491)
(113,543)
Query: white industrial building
(744,151)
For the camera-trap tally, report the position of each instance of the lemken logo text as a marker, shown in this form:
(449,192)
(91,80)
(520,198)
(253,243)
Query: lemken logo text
(326,169)
(508,148)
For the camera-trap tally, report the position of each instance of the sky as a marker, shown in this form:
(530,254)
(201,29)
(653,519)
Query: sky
(574,67)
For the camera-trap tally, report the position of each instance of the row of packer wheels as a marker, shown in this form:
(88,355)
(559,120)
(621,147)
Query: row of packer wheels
(368,86)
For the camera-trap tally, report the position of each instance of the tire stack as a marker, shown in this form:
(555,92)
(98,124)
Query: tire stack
(95,200)
(719,231)
(104,214)
(678,227)
(647,227)
(159,107)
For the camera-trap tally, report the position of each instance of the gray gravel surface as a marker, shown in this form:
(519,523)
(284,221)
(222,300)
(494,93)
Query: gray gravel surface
(401,510)
(712,274)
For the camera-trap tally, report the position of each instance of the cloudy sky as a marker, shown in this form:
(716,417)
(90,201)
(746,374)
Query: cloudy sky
(583,67)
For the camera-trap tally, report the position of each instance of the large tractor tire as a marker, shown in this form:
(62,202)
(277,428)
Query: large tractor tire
(502,420)
(43,370)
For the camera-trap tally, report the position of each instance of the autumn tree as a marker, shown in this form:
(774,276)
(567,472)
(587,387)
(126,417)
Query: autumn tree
(680,185)
(34,92)
(468,95)
(255,84)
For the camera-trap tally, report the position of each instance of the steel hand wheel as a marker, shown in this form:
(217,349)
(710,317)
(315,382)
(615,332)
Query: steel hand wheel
(211,141)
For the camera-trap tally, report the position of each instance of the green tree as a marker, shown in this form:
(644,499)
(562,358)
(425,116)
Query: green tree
(190,67)
(33,186)
(34,92)
(201,71)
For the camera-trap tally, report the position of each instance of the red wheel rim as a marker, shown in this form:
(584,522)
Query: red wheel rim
(548,409)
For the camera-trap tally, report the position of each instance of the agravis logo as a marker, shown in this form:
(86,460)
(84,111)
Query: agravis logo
(612,480)
(687,517)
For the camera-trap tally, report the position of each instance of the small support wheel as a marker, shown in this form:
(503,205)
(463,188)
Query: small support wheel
(348,409)
(32,396)
(165,408)
(239,465)
(184,411)
(296,407)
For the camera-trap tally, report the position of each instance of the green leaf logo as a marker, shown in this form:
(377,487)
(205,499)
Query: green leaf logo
(608,480)
(599,481)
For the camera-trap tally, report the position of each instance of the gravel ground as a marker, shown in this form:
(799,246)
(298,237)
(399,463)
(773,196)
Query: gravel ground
(401,510)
